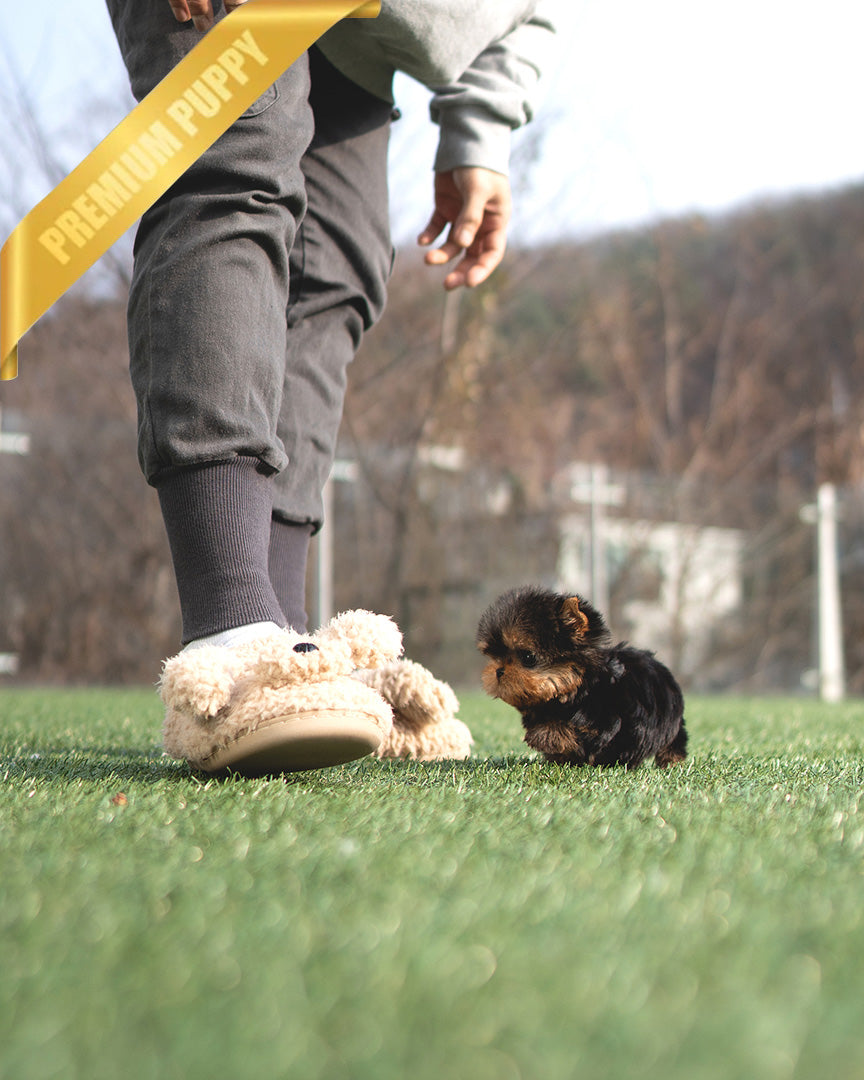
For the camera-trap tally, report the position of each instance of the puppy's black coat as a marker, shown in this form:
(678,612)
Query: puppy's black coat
(582,700)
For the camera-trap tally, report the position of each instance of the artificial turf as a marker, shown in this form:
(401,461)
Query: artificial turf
(498,918)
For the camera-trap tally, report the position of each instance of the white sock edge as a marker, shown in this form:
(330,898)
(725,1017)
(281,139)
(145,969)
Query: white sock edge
(237,635)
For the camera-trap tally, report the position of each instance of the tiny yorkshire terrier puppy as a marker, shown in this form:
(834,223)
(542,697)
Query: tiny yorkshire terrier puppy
(583,701)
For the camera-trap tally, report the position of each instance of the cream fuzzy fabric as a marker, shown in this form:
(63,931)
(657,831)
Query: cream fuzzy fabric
(425,725)
(213,695)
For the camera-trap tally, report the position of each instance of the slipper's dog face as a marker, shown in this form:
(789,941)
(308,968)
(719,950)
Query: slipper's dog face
(538,645)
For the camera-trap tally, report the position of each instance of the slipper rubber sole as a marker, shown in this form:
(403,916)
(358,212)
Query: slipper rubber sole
(299,742)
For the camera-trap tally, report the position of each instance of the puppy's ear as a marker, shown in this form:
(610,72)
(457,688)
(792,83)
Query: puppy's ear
(573,617)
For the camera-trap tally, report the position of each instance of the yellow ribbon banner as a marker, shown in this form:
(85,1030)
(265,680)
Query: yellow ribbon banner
(236,61)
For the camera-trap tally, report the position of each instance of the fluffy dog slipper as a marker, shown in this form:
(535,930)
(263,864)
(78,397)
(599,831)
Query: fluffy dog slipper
(282,703)
(425,725)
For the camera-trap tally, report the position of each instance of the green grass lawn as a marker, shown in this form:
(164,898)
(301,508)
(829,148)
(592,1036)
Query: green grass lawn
(487,920)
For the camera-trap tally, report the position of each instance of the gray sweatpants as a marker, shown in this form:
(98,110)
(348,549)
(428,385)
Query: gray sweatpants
(257,272)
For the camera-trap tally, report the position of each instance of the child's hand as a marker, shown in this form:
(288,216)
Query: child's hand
(476,204)
(200,11)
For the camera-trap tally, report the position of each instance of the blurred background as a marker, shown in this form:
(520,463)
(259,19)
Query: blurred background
(657,401)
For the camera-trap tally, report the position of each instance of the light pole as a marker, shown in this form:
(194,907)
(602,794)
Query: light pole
(11,443)
(832,675)
(346,472)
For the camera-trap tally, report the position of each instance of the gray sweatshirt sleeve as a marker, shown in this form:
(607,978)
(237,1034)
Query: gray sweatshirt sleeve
(478,111)
(480,58)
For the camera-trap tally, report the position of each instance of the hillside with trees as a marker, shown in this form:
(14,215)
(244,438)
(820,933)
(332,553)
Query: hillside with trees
(716,363)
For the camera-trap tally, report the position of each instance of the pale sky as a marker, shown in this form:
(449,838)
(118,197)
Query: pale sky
(648,109)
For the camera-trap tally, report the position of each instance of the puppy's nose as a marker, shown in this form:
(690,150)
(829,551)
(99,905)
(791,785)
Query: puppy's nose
(305,646)
(499,673)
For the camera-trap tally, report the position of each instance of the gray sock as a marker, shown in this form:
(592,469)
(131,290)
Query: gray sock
(217,517)
(289,550)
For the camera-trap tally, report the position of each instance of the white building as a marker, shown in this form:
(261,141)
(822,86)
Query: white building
(673,584)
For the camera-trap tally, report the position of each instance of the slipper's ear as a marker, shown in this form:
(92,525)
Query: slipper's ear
(425,725)
(372,639)
(199,680)
(417,697)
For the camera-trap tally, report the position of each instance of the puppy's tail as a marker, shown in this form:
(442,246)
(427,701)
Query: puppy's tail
(675,752)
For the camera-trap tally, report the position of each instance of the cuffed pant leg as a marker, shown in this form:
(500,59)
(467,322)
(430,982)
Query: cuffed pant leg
(340,266)
(211,276)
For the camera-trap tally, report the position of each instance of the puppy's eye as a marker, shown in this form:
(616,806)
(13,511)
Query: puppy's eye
(526,658)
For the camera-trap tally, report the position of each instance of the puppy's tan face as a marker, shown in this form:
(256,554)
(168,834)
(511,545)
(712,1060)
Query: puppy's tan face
(516,673)
(536,643)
